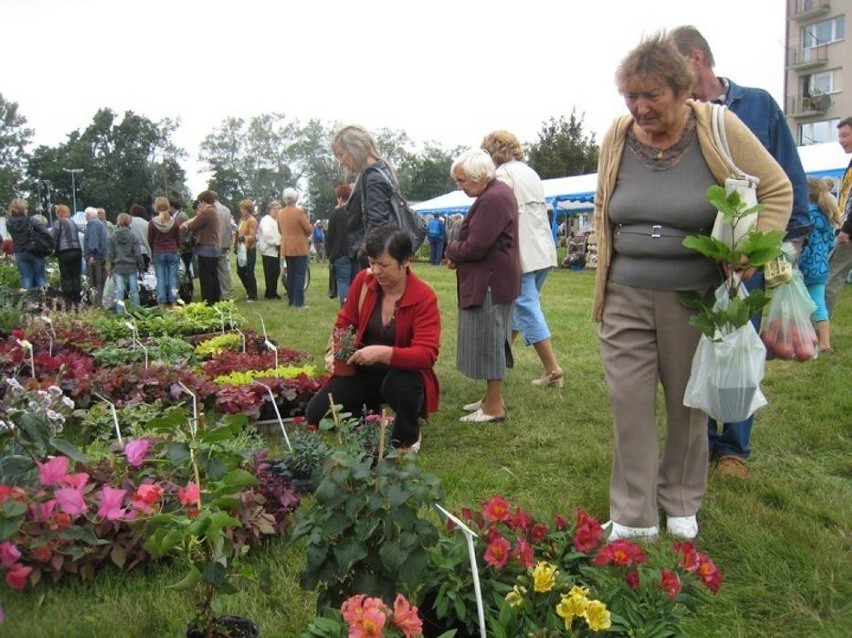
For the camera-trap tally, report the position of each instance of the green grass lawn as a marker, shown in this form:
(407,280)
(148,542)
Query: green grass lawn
(781,537)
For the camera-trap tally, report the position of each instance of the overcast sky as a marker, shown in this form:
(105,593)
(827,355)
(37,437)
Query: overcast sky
(441,70)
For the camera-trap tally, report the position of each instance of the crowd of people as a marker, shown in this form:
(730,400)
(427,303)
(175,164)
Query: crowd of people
(656,162)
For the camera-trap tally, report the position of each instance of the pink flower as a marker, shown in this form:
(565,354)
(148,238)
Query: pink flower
(43,511)
(560,521)
(405,617)
(190,495)
(520,521)
(669,582)
(539,532)
(16,577)
(496,509)
(77,481)
(370,625)
(689,560)
(71,501)
(9,554)
(52,472)
(523,553)
(135,451)
(497,553)
(351,609)
(111,500)
(709,573)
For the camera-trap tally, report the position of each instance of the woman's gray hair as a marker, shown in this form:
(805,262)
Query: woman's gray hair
(290,196)
(477,166)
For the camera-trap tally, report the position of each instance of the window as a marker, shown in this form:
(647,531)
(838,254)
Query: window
(818,132)
(824,32)
(819,83)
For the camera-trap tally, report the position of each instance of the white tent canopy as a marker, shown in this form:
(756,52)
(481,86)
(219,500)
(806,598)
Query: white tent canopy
(576,194)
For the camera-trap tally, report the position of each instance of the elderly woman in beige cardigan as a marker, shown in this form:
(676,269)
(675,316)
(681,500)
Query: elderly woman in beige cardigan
(655,166)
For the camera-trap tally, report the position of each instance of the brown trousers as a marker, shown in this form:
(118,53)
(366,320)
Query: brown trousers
(645,338)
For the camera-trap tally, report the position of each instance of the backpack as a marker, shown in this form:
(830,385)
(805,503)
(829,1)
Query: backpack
(39,241)
(436,229)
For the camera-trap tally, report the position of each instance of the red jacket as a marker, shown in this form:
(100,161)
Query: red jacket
(418,328)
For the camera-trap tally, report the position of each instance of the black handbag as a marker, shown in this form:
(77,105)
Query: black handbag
(406,218)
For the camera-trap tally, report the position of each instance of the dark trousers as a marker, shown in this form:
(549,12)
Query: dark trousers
(402,390)
(246,274)
(297,268)
(97,280)
(271,273)
(70,274)
(208,276)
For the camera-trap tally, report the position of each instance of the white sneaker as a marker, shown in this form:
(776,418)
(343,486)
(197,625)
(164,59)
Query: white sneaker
(618,532)
(685,527)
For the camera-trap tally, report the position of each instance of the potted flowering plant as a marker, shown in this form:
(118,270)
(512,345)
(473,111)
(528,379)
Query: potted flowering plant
(343,347)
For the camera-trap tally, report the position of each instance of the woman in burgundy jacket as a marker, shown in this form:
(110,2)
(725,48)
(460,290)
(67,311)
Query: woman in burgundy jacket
(488,269)
(397,329)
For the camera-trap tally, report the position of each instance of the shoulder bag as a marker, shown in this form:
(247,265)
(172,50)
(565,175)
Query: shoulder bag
(741,182)
(406,218)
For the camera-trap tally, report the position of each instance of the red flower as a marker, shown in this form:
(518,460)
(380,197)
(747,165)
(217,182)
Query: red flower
(60,521)
(588,534)
(519,521)
(689,560)
(466,514)
(497,553)
(492,534)
(539,532)
(560,521)
(632,578)
(16,577)
(190,495)
(496,509)
(621,552)
(669,582)
(42,554)
(709,573)
(523,554)
(146,496)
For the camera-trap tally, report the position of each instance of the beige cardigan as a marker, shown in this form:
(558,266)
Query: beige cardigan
(774,191)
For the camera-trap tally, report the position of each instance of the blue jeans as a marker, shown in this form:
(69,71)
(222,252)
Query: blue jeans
(344,271)
(734,438)
(166,267)
(126,282)
(31,269)
(436,251)
(528,318)
(297,268)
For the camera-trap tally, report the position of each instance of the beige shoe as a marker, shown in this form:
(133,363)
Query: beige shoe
(549,378)
(730,465)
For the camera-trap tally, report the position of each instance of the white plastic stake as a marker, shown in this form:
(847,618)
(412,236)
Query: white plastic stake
(277,414)
(27,347)
(221,317)
(272,347)
(114,416)
(49,322)
(193,424)
(130,326)
(477,589)
(242,334)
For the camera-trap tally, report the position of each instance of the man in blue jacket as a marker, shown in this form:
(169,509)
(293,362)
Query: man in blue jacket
(95,254)
(759,111)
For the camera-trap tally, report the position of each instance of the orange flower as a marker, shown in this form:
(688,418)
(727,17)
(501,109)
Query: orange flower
(405,617)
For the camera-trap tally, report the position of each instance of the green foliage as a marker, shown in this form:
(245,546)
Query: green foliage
(563,149)
(366,530)
(245,377)
(11,309)
(10,276)
(133,419)
(191,319)
(14,139)
(228,341)
(162,349)
(754,251)
(308,452)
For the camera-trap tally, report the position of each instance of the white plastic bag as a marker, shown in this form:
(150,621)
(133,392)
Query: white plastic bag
(727,371)
(108,297)
(788,332)
(242,255)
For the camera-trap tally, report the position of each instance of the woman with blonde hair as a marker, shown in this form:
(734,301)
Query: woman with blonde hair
(369,205)
(813,261)
(537,248)
(247,236)
(164,241)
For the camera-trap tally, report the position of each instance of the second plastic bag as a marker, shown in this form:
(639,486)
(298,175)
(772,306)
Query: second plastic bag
(788,332)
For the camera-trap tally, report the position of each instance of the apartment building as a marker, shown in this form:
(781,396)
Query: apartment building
(818,82)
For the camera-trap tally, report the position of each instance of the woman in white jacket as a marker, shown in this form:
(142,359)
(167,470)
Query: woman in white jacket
(268,243)
(537,247)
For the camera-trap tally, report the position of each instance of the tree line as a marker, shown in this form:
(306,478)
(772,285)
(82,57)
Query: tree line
(131,159)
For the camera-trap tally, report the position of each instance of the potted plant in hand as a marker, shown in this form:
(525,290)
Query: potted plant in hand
(198,528)
(343,347)
(729,361)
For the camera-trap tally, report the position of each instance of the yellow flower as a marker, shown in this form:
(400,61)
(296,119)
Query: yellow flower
(598,616)
(515,598)
(544,576)
(571,607)
(579,592)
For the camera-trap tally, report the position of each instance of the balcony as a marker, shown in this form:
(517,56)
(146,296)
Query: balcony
(808,105)
(802,10)
(799,58)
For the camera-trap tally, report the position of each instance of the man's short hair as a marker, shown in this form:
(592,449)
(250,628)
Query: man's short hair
(846,121)
(91,213)
(208,197)
(688,39)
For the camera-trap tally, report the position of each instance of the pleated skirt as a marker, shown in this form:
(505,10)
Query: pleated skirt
(484,335)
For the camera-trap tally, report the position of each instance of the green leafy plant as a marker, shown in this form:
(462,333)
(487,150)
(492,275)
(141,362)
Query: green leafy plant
(343,342)
(161,349)
(245,377)
(228,341)
(368,528)
(755,250)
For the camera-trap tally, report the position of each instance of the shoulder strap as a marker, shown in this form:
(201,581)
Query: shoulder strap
(720,137)
(362,296)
